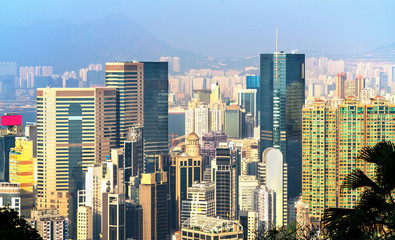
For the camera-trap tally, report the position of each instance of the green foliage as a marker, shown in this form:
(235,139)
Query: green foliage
(374,214)
(13,227)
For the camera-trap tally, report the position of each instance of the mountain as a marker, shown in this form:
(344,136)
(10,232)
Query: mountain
(67,46)
(381,54)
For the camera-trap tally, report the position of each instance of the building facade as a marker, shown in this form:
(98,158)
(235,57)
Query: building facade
(282,98)
(75,128)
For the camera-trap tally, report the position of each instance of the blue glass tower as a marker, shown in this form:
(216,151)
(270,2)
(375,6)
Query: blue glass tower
(282,93)
(156,85)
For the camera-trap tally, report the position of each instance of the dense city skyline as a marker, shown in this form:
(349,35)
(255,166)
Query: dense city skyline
(185,121)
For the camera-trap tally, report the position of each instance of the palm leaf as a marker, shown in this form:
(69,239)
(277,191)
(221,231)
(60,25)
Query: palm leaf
(358,179)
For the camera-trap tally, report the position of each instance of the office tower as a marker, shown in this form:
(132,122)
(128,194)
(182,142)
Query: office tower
(49,224)
(133,157)
(273,174)
(22,172)
(264,202)
(234,119)
(249,221)
(329,155)
(134,220)
(247,99)
(225,173)
(319,177)
(156,85)
(211,228)
(10,196)
(127,78)
(282,98)
(84,223)
(75,128)
(253,82)
(200,202)
(31,133)
(186,169)
(154,201)
(114,216)
(247,184)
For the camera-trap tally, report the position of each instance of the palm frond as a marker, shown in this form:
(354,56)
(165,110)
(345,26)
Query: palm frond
(350,224)
(357,179)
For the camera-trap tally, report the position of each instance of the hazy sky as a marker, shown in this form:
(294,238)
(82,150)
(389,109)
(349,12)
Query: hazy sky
(232,27)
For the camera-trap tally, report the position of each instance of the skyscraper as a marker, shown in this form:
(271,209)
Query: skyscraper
(114,216)
(247,99)
(154,201)
(156,85)
(273,175)
(319,178)
(282,97)
(127,77)
(142,98)
(333,138)
(225,175)
(186,169)
(75,128)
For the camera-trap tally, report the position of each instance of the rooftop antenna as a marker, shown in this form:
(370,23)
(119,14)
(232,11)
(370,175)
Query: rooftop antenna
(276,55)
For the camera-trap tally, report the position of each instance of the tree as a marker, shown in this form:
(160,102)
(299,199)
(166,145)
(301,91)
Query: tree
(14,227)
(374,214)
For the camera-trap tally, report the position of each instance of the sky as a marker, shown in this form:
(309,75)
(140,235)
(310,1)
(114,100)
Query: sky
(232,28)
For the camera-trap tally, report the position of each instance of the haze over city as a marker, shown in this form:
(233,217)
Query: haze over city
(187,120)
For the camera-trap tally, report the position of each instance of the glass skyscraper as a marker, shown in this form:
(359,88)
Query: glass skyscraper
(282,92)
(142,99)
(156,85)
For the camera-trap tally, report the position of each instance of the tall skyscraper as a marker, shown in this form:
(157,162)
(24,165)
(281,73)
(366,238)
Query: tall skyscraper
(114,216)
(282,98)
(128,78)
(273,175)
(319,179)
(156,87)
(333,138)
(186,169)
(154,201)
(142,98)
(224,171)
(75,128)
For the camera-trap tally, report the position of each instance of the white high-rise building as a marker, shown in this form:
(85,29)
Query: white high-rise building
(247,185)
(197,119)
(273,174)
(264,204)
